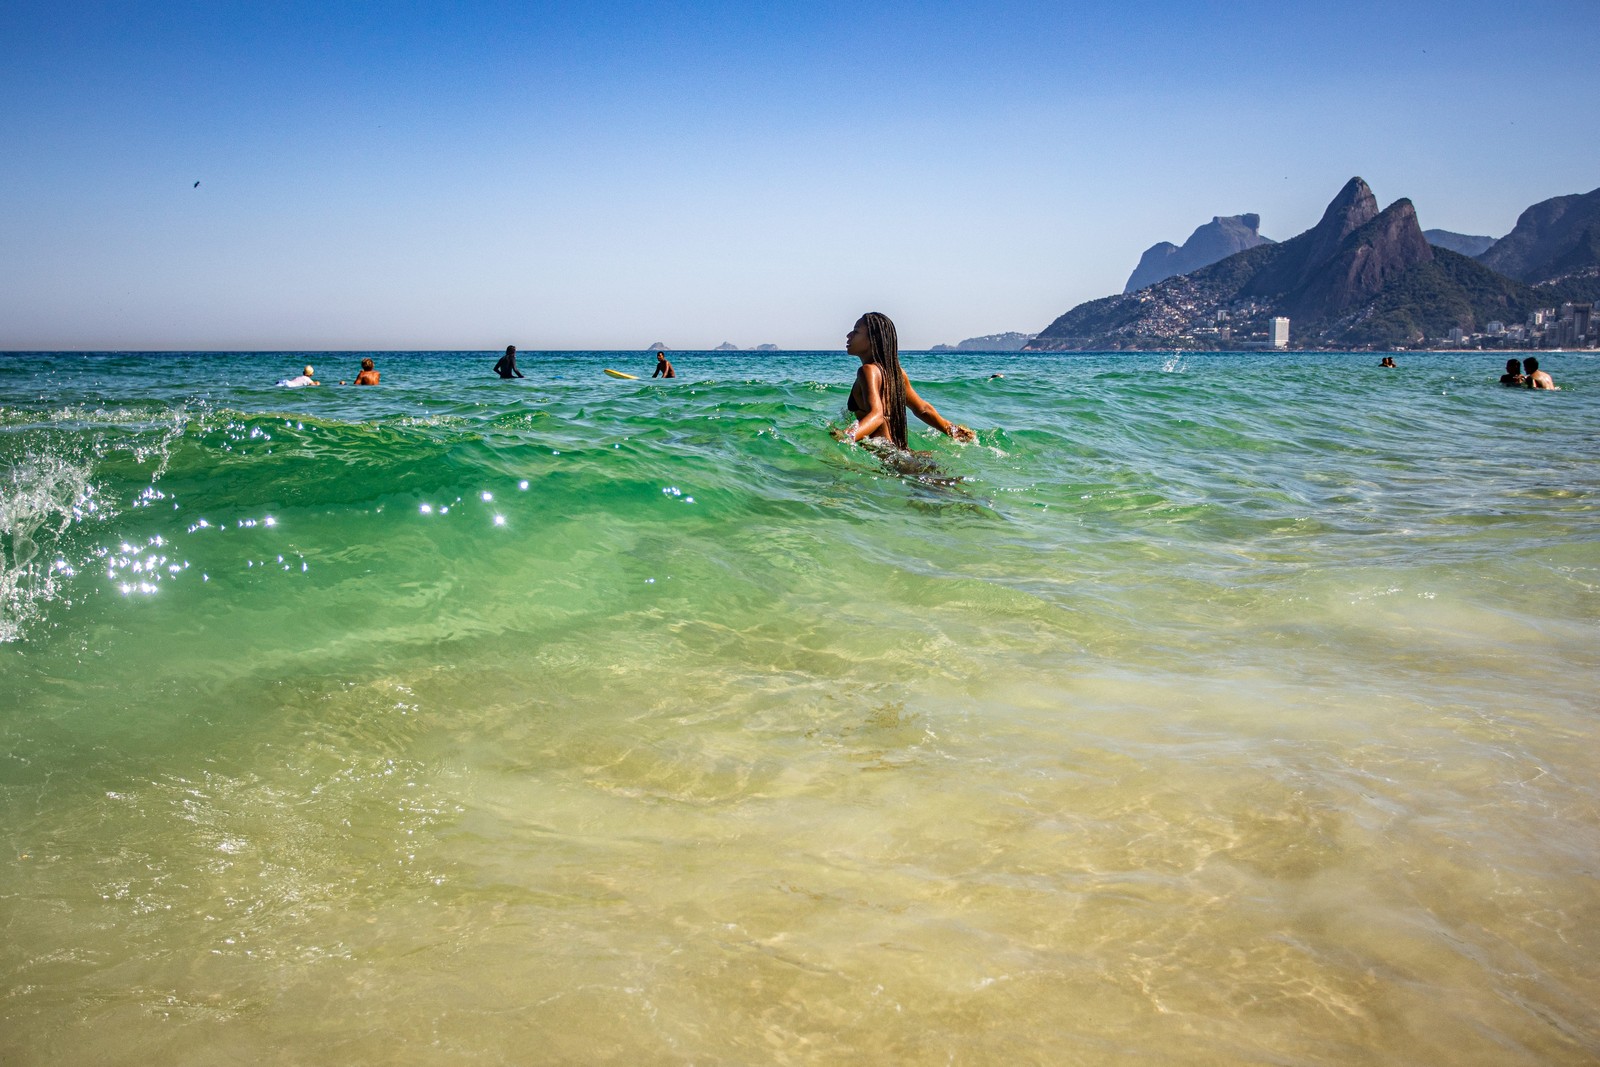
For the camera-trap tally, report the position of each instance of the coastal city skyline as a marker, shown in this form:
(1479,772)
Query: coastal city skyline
(469,176)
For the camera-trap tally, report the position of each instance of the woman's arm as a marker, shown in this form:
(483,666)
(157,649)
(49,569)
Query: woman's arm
(928,414)
(869,380)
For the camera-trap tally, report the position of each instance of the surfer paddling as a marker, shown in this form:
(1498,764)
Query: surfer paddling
(882,392)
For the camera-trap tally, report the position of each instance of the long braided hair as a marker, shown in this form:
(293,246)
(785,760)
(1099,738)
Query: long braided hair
(886,354)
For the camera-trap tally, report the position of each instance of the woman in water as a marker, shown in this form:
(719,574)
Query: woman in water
(882,392)
(507,367)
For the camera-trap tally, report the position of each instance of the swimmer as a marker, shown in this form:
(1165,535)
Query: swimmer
(1538,379)
(507,367)
(368,375)
(882,392)
(663,367)
(1388,361)
(300,382)
(992,377)
(1513,374)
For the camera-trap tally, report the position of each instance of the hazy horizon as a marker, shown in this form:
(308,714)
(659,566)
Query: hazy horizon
(456,178)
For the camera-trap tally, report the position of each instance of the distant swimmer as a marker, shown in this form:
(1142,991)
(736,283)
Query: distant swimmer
(301,381)
(507,367)
(1538,379)
(1513,374)
(369,373)
(1388,361)
(663,367)
(882,392)
(992,377)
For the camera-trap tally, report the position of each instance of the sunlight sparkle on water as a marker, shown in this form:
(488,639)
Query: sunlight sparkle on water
(1127,746)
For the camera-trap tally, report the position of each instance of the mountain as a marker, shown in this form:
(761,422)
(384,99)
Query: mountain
(1359,277)
(726,346)
(1221,237)
(1554,238)
(1464,243)
(1010,341)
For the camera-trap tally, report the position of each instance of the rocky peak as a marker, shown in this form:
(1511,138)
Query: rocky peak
(1353,208)
(1367,259)
(1303,256)
(1549,239)
(1216,240)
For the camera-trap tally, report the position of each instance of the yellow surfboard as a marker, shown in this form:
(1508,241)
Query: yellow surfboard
(619,374)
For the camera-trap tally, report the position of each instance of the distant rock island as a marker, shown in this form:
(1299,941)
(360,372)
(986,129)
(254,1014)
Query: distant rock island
(1010,341)
(726,347)
(1554,239)
(767,348)
(1360,277)
(658,347)
(1464,243)
(1218,239)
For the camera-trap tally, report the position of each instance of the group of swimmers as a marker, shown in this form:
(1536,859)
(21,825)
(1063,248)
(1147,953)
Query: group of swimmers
(881,393)
(507,367)
(368,376)
(1526,374)
(878,398)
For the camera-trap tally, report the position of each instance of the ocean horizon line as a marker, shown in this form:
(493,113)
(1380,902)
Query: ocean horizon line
(782,351)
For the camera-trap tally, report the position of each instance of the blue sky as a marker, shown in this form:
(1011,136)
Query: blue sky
(608,175)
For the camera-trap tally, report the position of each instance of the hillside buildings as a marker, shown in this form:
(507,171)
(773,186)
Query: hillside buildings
(1572,325)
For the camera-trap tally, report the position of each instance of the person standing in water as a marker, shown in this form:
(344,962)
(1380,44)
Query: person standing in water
(663,367)
(1513,374)
(507,367)
(1538,379)
(369,373)
(882,392)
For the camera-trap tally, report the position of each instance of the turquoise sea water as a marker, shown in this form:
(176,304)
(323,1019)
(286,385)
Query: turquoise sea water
(1209,709)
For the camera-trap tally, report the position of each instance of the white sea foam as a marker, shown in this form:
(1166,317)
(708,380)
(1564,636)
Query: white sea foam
(41,497)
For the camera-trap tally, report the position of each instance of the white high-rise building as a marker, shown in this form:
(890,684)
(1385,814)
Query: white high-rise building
(1280,332)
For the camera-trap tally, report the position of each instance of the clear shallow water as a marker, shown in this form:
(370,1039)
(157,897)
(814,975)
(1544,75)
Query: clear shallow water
(1228,709)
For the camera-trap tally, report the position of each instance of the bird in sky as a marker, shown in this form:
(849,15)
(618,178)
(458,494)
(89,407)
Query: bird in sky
(195,186)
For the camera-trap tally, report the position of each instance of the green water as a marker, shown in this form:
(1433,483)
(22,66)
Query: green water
(1213,709)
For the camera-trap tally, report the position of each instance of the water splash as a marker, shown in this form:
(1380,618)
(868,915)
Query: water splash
(41,497)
